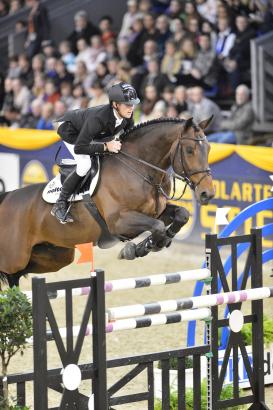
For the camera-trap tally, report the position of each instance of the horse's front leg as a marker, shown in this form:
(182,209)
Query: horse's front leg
(175,217)
(132,224)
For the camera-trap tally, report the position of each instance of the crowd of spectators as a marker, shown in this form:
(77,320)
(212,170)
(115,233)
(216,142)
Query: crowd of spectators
(181,56)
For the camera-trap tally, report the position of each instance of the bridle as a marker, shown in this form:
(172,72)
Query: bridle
(185,177)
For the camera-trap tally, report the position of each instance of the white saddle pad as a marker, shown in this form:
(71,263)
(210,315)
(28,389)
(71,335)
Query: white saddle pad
(52,190)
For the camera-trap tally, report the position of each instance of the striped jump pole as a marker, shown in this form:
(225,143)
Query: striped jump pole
(141,282)
(196,308)
(137,323)
(123,312)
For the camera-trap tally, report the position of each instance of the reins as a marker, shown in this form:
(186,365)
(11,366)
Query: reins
(185,177)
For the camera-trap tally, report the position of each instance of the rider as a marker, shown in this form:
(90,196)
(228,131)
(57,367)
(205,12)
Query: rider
(83,132)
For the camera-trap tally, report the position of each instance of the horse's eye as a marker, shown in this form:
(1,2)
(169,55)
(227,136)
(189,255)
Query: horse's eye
(189,150)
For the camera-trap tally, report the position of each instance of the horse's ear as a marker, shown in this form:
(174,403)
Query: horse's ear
(204,124)
(188,123)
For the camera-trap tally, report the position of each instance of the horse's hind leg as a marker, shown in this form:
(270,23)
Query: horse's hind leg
(44,258)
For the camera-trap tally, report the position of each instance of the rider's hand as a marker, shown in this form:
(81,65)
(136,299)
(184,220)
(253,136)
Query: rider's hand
(113,146)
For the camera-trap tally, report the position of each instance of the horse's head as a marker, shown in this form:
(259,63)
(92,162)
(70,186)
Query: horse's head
(190,159)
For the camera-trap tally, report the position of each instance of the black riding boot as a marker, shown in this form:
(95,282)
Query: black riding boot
(60,209)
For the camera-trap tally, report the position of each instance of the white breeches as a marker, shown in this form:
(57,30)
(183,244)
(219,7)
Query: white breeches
(83,162)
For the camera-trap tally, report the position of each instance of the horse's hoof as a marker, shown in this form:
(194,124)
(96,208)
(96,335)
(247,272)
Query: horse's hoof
(128,252)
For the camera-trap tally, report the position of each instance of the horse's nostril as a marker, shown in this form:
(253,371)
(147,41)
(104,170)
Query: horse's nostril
(204,195)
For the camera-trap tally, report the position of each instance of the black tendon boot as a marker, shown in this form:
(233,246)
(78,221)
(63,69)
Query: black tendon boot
(60,209)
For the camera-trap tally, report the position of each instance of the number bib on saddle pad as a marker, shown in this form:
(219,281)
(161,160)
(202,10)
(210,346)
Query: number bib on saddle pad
(52,190)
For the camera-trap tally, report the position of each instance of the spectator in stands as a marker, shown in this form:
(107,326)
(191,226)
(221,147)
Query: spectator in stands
(150,32)
(30,120)
(82,29)
(237,64)
(21,96)
(83,52)
(3,8)
(13,69)
(180,99)
(175,10)
(152,107)
(62,74)
(98,95)
(9,112)
(38,88)
(151,52)
(67,56)
(129,18)
(225,38)
(171,112)
(135,40)
(106,29)
(168,95)
(124,72)
(66,95)
(204,68)
(15,6)
(237,128)
(266,20)
(50,69)
(145,6)
(97,53)
(82,76)
(178,31)
(59,109)
(163,27)
(123,49)
(101,74)
(2,89)
(207,10)
(171,62)
(207,28)
(25,72)
(112,66)
(45,121)
(37,64)
(79,97)
(201,108)
(38,27)
(49,50)
(51,92)
(188,52)
(190,11)
(154,77)
(20,27)
(193,28)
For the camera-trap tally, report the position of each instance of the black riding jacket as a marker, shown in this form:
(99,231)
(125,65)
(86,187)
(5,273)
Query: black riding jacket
(89,128)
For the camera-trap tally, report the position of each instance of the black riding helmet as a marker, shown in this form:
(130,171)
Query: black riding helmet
(123,93)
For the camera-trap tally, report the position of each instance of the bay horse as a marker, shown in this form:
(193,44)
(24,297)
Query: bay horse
(131,198)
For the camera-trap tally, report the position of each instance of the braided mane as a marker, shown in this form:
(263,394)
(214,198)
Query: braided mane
(128,132)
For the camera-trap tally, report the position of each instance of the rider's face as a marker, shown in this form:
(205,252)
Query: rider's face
(125,110)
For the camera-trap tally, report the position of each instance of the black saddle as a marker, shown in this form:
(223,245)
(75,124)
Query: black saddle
(67,166)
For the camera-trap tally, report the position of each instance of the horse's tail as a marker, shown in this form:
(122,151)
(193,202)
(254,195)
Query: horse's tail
(2,196)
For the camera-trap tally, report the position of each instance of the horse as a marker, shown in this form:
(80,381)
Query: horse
(132,198)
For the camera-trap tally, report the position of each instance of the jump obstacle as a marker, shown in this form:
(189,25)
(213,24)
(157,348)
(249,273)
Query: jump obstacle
(195,308)
(252,211)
